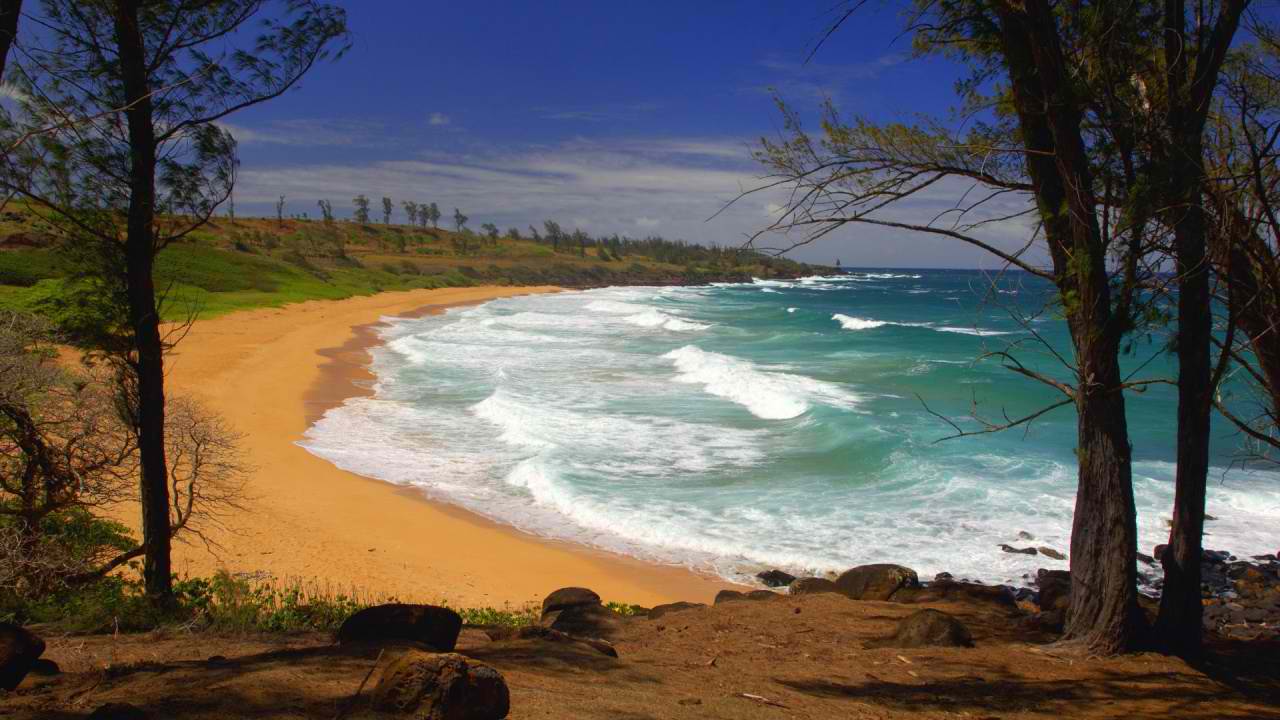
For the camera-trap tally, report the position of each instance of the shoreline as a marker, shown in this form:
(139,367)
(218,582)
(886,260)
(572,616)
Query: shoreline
(271,373)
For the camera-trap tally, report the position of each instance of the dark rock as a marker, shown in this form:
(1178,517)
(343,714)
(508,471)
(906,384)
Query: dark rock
(1255,614)
(688,701)
(1050,620)
(537,632)
(1146,559)
(927,628)
(584,620)
(1024,535)
(119,711)
(1050,552)
(661,610)
(954,590)
(776,578)
(1158,551)
(435,627)
(45,668)
(569,597)
(730,595)
(1216,557)
(875,582)
(1055,589)
(444,686)
(943,576)
(812,586)
(1018,551)
(19,650)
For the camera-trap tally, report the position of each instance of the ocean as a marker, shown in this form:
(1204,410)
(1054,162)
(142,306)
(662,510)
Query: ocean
(788,424)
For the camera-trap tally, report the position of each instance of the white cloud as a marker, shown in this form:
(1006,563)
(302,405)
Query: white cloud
(438,119)
(634,187)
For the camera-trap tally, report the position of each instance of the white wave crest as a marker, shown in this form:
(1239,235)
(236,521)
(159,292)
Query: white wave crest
(767,395)
(977,332)
(856,323)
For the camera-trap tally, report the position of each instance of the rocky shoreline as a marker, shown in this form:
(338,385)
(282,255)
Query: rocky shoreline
(1241,596)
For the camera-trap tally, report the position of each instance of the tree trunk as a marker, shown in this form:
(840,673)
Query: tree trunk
(10,11)
(143,312)
(1104,612)
(1104,598)
(1179,624)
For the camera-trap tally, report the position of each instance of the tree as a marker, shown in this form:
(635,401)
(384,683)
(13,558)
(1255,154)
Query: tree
(1243,193)
(326,211)
(459,220)
(411,211)
(280,211)
(1192,64)
(513,233)
(554,234)
(67,453)
(387,208)
(581,238)
(145,163)
(10,12)
(491,231)
(1067,143)
(362,209)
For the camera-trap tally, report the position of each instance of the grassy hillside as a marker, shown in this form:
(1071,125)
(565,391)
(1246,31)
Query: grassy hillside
(255,262)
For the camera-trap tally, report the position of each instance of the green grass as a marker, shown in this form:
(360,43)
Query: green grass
(254,263)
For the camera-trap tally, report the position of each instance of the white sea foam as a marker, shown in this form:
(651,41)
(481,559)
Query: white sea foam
(978,332)
(855,323)
(561,415)
(768,395)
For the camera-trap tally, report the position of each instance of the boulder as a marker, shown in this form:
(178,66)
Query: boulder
(776,578)
(730,595)
(537,632)
(940,590)
(569,597)
(119,711)
(1050,552)
(927,628)
(661,610)
(1024,535)
(875,582)
(1055,589)
(45,668)
(1019,551)
(446,686)
(435,627)
(812,586)
(19,650)
(595,621)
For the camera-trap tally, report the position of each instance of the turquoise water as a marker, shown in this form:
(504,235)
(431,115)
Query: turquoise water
(772,424)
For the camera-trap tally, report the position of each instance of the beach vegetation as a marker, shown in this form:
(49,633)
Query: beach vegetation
(103,148)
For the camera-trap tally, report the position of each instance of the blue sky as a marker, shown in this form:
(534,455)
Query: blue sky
(633,118)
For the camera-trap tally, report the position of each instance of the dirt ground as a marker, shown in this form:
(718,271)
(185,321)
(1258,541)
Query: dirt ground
(788,658)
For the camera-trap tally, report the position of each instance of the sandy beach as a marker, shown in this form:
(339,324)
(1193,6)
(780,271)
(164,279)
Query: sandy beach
(270,373)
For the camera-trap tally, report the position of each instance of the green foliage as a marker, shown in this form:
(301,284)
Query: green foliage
(507,617)
(626,609)
(24,268)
